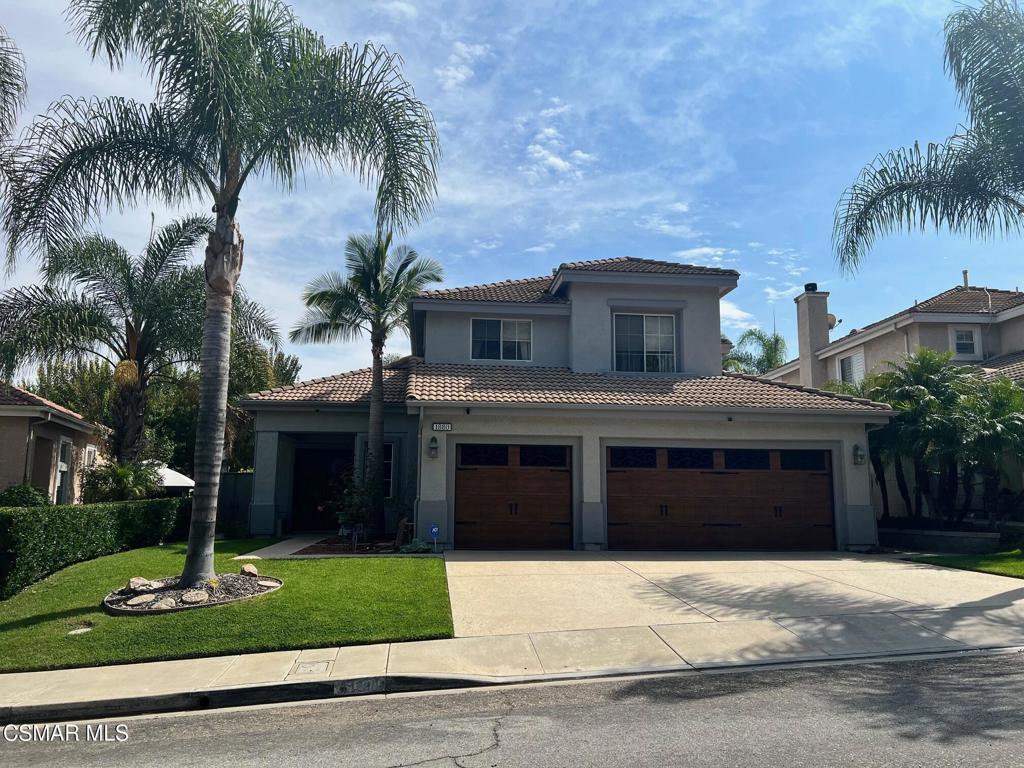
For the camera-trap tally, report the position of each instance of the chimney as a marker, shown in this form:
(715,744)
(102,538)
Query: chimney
(967,282)
(812,326)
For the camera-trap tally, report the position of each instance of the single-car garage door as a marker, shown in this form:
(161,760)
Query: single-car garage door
(513,496)
(733,498)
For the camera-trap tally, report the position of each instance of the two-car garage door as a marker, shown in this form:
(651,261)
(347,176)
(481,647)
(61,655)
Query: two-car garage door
(734,498)
(520,496)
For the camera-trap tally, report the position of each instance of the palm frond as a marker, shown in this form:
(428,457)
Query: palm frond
(40,323)
(170,248)
(84,157)
(961,185)
(96,263)
(985,57)
(252,323)
(12,83)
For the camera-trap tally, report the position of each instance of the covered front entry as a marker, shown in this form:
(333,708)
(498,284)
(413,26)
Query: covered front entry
(322,469)
(732,498)
(513,496)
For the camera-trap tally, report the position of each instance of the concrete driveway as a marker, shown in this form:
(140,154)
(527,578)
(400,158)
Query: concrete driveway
(724,607)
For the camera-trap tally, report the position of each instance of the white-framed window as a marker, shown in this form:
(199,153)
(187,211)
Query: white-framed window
(62,494)
(850,368)
(965,342)
(645,343)
(494,339)
(90,455)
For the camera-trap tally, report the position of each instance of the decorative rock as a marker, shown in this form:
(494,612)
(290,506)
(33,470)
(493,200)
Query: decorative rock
(249,570)
(267,583)
(137,584)
(80,631)
(155,585)
(163,605)
(142,599)
(195,596)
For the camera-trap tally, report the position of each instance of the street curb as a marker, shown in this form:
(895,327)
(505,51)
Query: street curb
(309,690)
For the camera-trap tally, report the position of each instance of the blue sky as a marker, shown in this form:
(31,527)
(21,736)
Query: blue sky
(704,132)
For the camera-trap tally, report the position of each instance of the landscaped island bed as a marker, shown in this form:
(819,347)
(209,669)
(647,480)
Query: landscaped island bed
(339,601)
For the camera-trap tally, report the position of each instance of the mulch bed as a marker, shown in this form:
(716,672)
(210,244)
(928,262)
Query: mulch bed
(167,595)
(342,545)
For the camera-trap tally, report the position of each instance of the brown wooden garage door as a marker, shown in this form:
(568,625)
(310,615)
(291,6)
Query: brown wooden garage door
(513,496)
(702,498)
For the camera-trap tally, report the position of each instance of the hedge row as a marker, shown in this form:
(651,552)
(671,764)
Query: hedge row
(37,541)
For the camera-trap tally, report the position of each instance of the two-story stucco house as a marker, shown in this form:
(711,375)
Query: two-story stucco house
(582,409)
(980,326)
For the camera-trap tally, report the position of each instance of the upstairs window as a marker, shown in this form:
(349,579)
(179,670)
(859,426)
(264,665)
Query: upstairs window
(851,368)
(965,341)
(502,340)
(645,343)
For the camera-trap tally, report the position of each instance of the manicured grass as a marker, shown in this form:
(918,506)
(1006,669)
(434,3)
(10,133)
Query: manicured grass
(341,601)
(1000,563)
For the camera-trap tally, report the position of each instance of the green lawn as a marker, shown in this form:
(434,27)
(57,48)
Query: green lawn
(339,601)
(1001,563)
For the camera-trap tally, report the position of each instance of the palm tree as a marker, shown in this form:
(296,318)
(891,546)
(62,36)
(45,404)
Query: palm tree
(142,315)
(242,90)
(973,183)
(756,352)
(373,298)
(12,99)
(995,418)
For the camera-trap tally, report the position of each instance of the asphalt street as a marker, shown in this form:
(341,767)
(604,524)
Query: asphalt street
(946,712)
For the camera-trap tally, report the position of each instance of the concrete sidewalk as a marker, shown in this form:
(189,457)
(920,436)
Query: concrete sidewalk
(318,673)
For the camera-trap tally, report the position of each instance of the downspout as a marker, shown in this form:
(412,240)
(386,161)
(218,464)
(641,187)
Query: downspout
(419,474)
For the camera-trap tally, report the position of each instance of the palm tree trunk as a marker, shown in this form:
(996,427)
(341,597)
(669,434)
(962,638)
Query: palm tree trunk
(375,444)
(128,416)
(883,489)
(901,483)
(224,255)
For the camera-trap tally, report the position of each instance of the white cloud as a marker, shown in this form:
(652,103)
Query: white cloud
(539,248)
(400,10)
(774,294)
(655,222)
(679,207)
(735,318)
(557,108)
(706,254)
(459,68)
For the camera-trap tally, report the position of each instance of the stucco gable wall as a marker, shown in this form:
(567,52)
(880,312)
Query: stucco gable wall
(13,441)
(447,337)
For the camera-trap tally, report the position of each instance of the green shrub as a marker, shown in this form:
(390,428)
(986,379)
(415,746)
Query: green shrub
(23,496)
(120,482)
(37,541)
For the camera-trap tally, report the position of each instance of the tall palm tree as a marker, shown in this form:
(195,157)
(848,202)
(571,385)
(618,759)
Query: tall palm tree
(141,314)
(756,352)
(242,90)
(372,298)
(973,183)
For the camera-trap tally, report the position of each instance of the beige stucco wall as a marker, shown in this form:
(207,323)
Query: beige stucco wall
(590,431)
(793,377)
(699,349)
(13,441)
(79,442)
(1012,335)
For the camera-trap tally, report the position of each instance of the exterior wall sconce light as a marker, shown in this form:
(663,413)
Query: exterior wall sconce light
(432,448)
(859,454)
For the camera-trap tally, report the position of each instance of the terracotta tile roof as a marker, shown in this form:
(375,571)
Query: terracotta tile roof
(12,395)
(532,290)
(348,387)
(414,380)
(973,299)
(634,264)
(535,290)
(441,382)
(1011,364)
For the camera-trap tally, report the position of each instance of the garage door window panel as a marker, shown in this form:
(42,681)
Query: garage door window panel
(691,458)
(747,459)
(633,458)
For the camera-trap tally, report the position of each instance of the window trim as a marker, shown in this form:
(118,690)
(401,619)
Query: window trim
(501,340)
(851,356)
(975,330)
(645,315)
(68,470)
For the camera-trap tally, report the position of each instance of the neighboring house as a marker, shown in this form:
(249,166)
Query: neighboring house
(44,444)
(980,326)
(582,409)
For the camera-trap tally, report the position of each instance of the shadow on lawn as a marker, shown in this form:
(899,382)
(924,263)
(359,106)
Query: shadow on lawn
(42,618)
